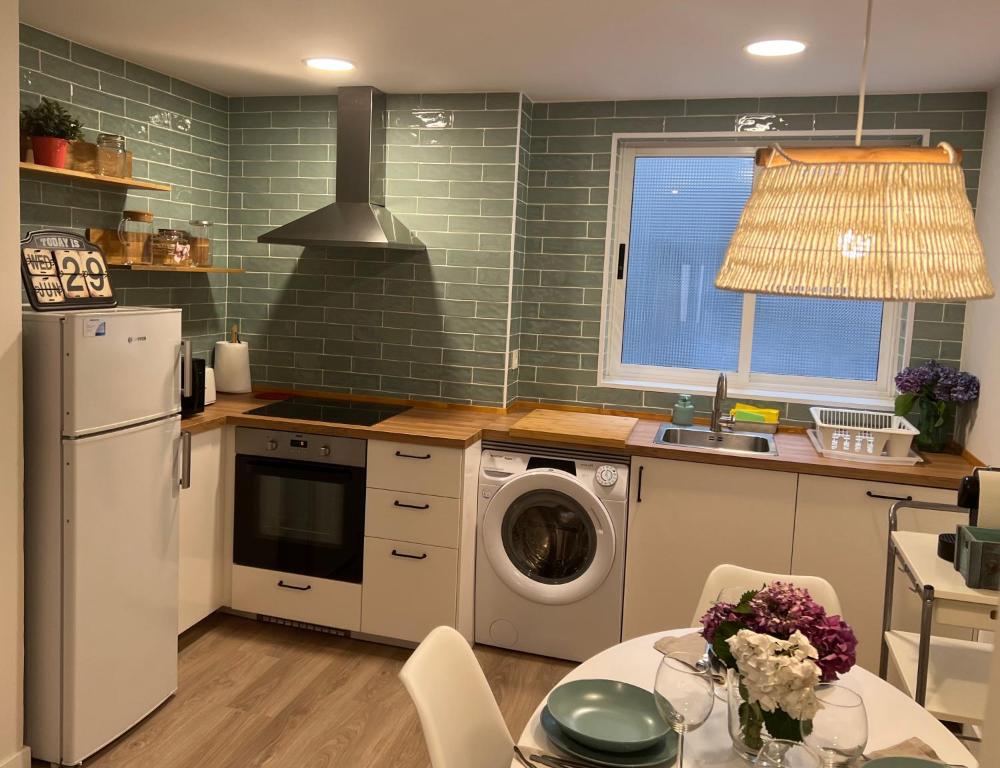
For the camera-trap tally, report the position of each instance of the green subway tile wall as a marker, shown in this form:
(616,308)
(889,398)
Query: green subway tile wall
(422,325)
(178,133)
(567,212)
(509,196)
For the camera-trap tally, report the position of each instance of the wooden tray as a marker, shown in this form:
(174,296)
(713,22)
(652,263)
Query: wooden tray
(568,426)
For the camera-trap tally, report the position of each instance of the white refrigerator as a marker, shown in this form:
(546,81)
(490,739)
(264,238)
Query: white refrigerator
(104,462)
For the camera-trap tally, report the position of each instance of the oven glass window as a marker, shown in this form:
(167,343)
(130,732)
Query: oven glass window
(300,517)
(305,511)
(549,537)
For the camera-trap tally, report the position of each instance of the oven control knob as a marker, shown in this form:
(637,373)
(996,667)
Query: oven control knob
(272,445)
(606,476)
(324,450)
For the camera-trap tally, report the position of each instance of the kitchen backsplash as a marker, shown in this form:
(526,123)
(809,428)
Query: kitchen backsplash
(425,325)
(509,196)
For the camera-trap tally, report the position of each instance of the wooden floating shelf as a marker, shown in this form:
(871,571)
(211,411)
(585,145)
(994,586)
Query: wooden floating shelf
(114,181)
(164,268)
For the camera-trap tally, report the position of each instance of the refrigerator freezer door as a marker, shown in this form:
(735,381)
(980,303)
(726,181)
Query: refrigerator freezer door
(120,534)
(120,368)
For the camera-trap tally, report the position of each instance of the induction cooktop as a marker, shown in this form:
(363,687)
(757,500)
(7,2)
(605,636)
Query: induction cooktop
(333,411)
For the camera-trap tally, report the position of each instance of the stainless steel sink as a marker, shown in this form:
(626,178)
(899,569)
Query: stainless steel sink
(743,443)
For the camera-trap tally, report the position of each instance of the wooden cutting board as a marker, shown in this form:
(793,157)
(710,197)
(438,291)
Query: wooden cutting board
(572,427)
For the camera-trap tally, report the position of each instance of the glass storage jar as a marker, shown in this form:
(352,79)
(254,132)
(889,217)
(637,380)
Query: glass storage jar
(110,154)
(170,248)
(135,231)
(201,243)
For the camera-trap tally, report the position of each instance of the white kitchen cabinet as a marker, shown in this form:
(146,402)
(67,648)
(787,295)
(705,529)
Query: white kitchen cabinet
(684,519)
(203,565)
(409,589)
(420,539)
(841,534)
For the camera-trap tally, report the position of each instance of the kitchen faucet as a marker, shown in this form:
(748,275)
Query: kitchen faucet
(720,420)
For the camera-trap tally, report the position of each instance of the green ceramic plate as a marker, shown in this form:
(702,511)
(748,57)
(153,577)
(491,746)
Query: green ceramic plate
(607,715)
(660,754)
(903,762)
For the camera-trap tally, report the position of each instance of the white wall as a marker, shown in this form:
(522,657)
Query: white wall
(11,579)
(980,356)
(982,318)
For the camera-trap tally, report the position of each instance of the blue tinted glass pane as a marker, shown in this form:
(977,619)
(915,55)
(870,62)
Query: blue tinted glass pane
(828,338)
(684,211)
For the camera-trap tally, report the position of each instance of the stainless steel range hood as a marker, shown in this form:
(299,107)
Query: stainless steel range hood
(358,219)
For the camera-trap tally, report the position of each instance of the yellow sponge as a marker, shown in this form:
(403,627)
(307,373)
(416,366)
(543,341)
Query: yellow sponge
(745,412)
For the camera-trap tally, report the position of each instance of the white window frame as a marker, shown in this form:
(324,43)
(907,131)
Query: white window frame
(896,322)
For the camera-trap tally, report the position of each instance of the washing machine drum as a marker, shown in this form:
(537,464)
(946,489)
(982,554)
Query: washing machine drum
(548,538)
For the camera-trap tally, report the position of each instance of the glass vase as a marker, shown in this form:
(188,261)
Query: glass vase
(933,436)
(747,728)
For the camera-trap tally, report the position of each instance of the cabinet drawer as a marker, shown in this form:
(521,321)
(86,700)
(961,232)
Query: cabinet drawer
(415,468)
(409,589)
(316,601)
(413,517)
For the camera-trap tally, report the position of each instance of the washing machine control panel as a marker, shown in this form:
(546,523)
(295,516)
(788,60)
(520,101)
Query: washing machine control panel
(606,476)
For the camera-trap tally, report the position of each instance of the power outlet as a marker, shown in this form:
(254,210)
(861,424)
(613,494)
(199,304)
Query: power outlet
(515,359)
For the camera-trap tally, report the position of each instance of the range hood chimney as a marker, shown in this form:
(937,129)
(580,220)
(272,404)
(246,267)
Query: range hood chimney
(358,218)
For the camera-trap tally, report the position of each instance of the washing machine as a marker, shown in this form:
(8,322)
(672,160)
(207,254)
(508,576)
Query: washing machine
(550,564)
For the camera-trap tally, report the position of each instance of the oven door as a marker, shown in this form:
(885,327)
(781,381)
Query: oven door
(299,517)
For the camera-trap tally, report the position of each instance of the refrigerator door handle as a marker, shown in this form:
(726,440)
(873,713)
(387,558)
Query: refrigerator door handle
(187,373)
(185,459)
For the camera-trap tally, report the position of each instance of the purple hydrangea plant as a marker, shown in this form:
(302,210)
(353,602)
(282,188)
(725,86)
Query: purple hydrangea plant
(934,389)
(779,610)
(937,382)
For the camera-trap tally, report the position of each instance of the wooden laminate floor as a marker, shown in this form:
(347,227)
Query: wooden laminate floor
(255,694)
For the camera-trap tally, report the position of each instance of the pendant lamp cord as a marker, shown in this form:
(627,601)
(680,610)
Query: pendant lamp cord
(864,76)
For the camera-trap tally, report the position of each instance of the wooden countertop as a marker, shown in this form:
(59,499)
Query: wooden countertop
(796,454)
(429,425)
(460,427)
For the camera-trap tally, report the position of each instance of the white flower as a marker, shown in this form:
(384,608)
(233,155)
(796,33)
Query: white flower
(778,673)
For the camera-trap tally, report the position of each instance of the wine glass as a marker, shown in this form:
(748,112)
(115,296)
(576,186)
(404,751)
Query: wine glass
(839,730)
(780,753)
(684,695)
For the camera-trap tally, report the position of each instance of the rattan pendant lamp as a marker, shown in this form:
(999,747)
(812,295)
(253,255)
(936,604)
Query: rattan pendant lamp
(893,224)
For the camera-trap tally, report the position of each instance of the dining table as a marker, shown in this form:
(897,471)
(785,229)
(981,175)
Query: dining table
(893,717)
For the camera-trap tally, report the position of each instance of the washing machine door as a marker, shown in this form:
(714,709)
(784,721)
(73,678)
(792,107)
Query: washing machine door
(548,537)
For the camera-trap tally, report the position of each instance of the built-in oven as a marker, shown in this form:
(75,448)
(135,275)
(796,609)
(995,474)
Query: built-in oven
(300,504)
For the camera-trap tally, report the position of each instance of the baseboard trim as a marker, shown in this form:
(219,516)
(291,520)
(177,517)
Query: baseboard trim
(20,759)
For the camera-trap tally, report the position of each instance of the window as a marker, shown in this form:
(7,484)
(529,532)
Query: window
(666,326)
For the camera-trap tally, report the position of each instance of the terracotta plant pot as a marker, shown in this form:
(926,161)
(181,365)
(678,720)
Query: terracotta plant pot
(50,151)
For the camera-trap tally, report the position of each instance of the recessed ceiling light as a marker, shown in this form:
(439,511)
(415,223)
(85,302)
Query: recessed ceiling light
(330,65)
(775,48)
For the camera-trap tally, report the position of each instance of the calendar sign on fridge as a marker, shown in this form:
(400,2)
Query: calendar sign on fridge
(61,270)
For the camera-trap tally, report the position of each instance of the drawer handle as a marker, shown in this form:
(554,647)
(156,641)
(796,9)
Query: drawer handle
(411,557)
(292,586)
(398,503)
(871,495)
(402,455)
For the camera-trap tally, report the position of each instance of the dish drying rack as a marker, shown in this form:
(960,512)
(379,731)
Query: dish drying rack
(855,434)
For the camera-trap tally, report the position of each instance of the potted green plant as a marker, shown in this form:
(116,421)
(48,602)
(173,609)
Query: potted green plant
(51,129)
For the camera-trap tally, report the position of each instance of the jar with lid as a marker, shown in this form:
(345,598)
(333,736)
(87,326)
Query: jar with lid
(170,248)
(135,231)
(110,154)
(201,243)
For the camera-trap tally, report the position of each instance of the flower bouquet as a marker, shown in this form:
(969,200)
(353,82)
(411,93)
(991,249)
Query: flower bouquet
(777,644)
(934,389)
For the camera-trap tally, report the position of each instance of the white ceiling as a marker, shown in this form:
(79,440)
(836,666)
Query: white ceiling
(553,50)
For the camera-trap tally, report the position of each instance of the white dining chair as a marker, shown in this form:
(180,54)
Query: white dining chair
(462,723)
(735,580)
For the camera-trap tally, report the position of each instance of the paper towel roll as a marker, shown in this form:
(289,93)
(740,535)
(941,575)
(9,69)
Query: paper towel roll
(989,499)
(232,366)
